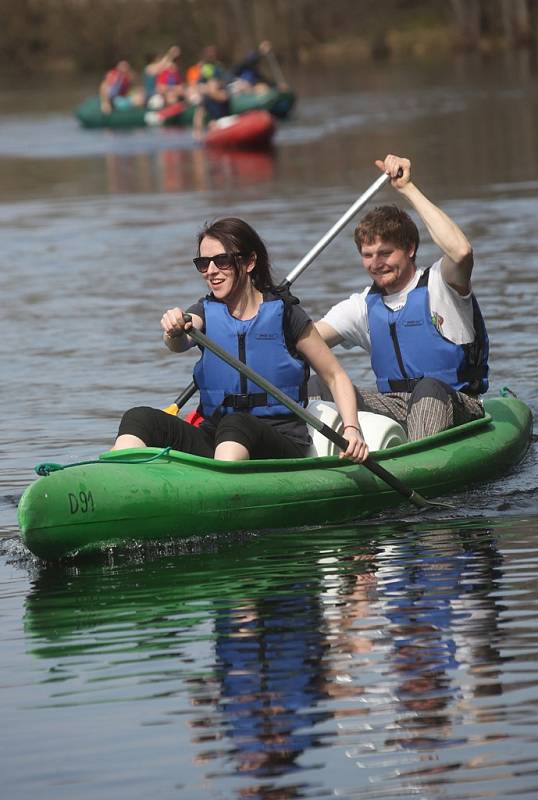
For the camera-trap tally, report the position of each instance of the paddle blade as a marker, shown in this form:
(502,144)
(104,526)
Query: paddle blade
(172,409)
(421,502)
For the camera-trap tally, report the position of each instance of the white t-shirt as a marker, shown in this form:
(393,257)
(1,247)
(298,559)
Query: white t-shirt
(452,313)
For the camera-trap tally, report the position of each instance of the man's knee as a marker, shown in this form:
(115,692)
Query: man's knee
(432,388)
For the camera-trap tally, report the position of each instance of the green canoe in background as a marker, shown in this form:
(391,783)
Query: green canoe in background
(92,506)
(89,113)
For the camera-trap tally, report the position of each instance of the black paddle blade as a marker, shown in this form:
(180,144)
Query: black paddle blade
(421,502)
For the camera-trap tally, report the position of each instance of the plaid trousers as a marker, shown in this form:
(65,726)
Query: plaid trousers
(431,407)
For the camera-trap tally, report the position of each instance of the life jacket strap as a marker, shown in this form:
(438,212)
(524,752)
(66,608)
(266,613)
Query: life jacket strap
(407,386)
(242,402)
(475,373)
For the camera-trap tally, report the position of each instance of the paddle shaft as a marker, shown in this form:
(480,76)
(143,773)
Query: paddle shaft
(335,230)
(202,340)
(278,75)
(305,262)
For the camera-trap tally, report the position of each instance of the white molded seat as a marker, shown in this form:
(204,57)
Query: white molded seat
(379,431)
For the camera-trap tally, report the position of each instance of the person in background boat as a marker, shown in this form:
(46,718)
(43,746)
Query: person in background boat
(244,312)
(213,105)
(192,75)
(170,81)
(207,67)
(211,66)
(248,77)
(422,327)
(118,90)
(155,64)
(206,81)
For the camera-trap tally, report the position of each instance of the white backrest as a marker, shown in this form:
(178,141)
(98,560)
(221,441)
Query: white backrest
(379,431)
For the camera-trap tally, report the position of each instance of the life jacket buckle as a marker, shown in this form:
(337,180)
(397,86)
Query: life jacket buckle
(244,402)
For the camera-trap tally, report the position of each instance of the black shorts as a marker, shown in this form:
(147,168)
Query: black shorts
(156,428)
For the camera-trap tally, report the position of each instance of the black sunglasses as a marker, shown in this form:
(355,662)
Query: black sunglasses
(221,261)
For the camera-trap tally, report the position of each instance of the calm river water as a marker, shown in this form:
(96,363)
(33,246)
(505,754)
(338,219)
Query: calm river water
(392,659)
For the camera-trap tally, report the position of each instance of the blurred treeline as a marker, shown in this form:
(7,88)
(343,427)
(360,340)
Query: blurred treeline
(90,35)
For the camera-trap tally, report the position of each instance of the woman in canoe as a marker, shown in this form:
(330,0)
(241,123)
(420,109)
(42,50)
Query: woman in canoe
(247,315)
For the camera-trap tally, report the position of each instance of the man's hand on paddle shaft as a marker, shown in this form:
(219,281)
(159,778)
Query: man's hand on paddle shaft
(457,263)
(398,168)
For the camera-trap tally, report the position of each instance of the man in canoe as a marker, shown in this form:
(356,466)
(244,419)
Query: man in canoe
(247,75)
(214,104)
(155,66)
(117,89)
(244,313)
(422,327)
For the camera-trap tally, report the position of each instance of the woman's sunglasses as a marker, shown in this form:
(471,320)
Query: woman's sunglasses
(221,261)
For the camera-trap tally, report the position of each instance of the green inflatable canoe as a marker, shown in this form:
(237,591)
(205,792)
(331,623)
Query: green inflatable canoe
(134,496)
(89,113)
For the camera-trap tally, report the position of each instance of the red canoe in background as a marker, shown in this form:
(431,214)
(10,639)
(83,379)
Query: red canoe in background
(252,130)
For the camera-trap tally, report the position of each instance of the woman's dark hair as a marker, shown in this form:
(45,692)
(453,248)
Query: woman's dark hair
(390,224)
(237,236)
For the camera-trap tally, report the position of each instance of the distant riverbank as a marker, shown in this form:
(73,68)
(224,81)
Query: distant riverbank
(88,36)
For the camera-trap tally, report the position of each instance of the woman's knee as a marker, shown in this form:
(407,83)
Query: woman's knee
(138,421)
(235,428)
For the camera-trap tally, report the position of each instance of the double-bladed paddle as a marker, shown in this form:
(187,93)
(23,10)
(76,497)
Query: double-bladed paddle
(305,262)
(410,494)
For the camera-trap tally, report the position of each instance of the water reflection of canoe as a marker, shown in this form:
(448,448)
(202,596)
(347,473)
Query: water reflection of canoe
(250,130)
(89,113)
(196,168)
(90,506)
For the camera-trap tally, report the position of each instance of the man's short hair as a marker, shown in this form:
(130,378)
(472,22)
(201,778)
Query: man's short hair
(390,224)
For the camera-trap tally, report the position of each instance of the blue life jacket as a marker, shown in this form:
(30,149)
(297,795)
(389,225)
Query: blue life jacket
(248,70)
(406,345)
(259,342)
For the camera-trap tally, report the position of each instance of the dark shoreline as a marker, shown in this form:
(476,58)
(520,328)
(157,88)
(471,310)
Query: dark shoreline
(88,36)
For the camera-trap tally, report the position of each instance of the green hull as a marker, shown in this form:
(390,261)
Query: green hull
(88,507)
(90,115)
